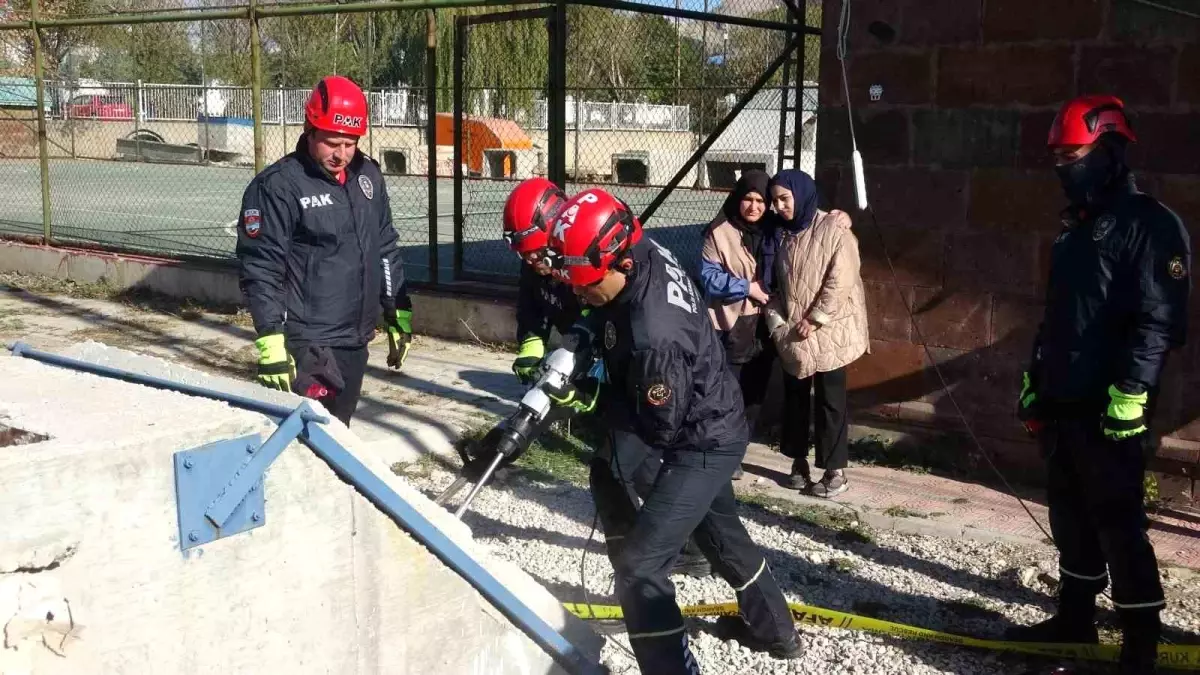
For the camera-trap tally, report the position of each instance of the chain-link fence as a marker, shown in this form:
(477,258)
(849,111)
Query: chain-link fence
(151,128)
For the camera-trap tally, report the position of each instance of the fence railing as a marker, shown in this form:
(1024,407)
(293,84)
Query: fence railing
(399,106)
(160,102)
(614,116)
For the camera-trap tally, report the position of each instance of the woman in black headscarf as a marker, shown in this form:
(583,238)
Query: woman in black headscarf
(736,262)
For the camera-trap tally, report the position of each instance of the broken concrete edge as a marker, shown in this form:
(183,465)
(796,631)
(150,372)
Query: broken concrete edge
(530,593)
(490,321)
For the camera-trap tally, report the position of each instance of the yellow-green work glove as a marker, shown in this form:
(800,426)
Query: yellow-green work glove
(530,356)
(399,338)
(276,368)
(1126,415)
(575,399)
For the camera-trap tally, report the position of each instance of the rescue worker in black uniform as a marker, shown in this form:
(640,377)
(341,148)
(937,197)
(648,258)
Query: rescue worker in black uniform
(543,303)
(669,389)
(318,257)
(1116,304)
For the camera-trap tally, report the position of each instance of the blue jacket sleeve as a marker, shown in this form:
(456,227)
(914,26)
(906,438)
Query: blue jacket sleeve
(719,284)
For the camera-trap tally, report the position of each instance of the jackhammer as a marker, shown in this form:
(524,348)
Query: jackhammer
(505,442)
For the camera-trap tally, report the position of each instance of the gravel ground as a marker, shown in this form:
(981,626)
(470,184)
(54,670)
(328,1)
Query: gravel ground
(957,586)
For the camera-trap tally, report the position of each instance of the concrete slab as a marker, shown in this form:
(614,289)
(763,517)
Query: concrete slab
(92,579)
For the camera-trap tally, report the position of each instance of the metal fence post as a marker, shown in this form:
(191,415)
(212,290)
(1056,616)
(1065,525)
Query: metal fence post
(282,121)
(578,128)
(256,87)
(556,98)
(431,137)
(40,89)
(137,118)
(461,33)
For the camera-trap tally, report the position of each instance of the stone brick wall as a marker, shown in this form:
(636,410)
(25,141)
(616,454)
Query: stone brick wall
(965,197)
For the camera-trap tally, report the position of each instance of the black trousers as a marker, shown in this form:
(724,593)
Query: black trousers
(352,365)
(691,493)
(753,376)
(1094,491)
(826,414)
(628,469)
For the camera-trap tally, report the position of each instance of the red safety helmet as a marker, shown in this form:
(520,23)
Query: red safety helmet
(1084,119)
(591,234)
(528,213)
(336,104)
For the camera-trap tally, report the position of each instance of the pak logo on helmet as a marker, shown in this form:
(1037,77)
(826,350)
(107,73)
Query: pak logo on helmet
(352,121)
(251,222)
(367,188)
(567,219)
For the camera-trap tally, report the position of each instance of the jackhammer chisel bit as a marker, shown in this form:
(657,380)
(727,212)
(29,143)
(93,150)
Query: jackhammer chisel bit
(510,438)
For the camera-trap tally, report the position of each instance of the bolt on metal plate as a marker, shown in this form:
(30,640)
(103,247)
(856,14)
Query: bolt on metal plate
(201,474)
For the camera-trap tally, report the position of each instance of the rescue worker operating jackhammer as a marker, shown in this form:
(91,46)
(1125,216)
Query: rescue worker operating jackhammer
(544,302)
(1116,304)
(318,257)
(669,389)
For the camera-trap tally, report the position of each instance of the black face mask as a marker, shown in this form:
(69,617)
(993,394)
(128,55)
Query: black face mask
(1086,179)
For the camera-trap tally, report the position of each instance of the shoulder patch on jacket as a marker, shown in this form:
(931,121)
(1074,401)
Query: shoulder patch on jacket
(658,394)
(1176,268)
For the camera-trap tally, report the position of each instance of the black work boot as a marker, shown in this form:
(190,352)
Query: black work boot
(1075,621)
(735,628)
(801,477)
(1140,630)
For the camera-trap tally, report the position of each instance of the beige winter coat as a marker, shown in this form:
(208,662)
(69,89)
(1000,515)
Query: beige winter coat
(817,275)
(723,245)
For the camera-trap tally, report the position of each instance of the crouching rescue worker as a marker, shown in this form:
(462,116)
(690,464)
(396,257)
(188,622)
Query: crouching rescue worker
(544,302)
(318,257)
(1116,304)
(668,389)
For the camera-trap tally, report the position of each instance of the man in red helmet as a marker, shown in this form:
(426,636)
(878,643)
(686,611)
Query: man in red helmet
(542,302)
(670,390)
(1116,304)
(319,257)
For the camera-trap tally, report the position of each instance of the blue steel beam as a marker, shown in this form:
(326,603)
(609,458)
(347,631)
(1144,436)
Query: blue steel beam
(273,410)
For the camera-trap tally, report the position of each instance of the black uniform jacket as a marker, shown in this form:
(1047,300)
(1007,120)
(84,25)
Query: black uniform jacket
(669,381)
(319,259)
(542,304)
(1116,300)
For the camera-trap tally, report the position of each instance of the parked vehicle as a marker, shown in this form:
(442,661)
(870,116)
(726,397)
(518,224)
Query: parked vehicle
(89,106)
